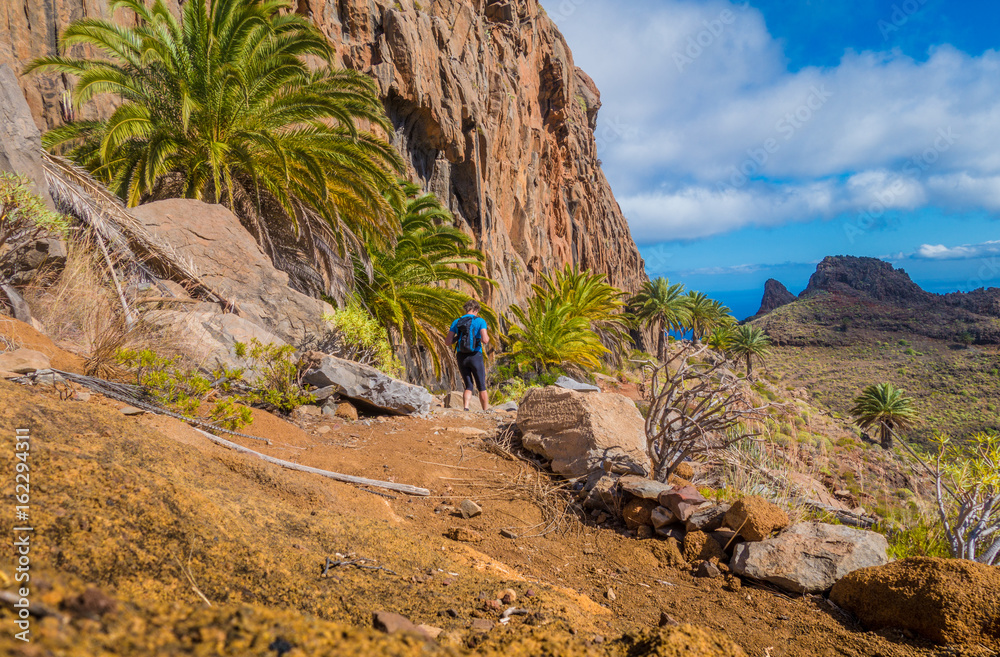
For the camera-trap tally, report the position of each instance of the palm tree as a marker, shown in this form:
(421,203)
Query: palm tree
(659,301)
(721,338)
(749,342)
(221,105)
(885,407)
(703,313)
(403,290)
(550,333)
(593,298)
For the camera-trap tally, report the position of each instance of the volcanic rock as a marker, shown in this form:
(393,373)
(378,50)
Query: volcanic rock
(775,296)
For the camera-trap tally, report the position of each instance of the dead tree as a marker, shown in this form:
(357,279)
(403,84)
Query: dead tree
(698,405)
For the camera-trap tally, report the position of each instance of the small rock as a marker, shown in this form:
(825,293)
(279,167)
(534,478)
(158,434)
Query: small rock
(707,518)
(638,512)
(733,583)
(48,378)
(682,501)
(508,596)
(642,487)
(131,410)
(346,411)
(323,429)
(307,410)
(470,509)
(571,384)
(493,605)
(662,516)
(429,630)
(322,394)
(667,621)
(23,361)
(644,532)
(391,623)
(81,396)
(506,533)
(445,508)
(482,625)
(530,593)
(509,407)
(611,595)
(92,603)
(464,535)
(708,569)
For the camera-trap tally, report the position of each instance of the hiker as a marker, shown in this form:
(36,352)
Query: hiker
(468,334)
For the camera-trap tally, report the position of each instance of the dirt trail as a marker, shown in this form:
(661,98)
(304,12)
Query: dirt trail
(147,511)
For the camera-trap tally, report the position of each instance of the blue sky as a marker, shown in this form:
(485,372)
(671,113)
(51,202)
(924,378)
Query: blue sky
(748,140)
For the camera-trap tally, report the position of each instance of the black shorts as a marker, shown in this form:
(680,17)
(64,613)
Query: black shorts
(472,368)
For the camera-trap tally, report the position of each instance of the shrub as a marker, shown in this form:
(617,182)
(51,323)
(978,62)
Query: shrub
(277,381)
(359,337)
(23,218)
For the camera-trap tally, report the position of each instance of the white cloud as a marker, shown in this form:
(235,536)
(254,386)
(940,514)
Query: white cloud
(700,96)
(964,252)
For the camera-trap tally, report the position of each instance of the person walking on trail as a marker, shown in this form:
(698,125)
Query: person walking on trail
(468,335)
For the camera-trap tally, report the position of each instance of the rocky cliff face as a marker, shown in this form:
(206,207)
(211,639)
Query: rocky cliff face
(490,113)
(775,296)
(871,277)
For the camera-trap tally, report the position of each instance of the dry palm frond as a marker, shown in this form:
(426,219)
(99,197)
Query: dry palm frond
(79,194)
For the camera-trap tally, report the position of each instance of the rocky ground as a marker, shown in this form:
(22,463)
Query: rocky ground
(149,539)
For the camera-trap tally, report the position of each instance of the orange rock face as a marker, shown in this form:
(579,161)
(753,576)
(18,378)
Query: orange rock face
(489,111)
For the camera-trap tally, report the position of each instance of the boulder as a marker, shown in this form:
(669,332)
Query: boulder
(23,361)
(228,259)
(948,601)
(20,140)
(572,384)
(370,387)
(455,400)
(209,336)
(683,501)
(581,432)
(343,410)
(754,518)
(707,517)
(810,557)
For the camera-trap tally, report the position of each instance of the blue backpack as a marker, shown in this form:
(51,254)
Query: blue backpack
(465,342)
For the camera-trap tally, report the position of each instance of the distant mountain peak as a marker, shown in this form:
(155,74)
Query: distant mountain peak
(871,277)
(775,296)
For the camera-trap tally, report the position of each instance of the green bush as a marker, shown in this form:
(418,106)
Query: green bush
(361,338)
(24,216)
(277,383)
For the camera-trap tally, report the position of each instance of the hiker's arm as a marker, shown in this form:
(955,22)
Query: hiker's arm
(483,338)
(451,338)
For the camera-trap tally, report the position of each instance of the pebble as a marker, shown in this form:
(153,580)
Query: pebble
(708,569)
(506,533)
(131,410)
(470,509)
(323,429)
(81,396)
(611,595)
(482,625)
(508,596)
(666,620)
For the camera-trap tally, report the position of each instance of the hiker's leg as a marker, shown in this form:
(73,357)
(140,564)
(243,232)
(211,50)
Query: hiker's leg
(479,370)
(466,397)
(468,378)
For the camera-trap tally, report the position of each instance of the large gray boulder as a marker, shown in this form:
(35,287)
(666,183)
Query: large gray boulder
(20,140)
(583,431)
(229,260)
(810,557)
(370,387)
(209,337)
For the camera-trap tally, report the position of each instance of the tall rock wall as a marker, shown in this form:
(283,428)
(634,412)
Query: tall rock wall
(490,113)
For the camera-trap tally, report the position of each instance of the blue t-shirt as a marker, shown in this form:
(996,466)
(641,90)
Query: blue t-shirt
(477,325)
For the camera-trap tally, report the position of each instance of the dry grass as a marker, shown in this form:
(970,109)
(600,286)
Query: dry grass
(82,313)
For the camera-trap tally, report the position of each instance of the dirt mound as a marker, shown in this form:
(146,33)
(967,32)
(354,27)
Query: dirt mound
(945,600)
(23,336)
